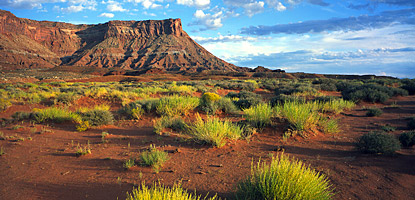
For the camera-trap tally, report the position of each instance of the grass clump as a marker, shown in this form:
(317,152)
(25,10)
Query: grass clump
(259,116)
(214,131)
(176,105)
(208,102)
(175,123)
(4,104)
(336,106)
(54,114)
(128,163)
(284,179)
(300,116)
(374,112)
(81,151)
(97,117)
(407,139)
(329,126)
(161,192)
(378,143)
(154,158)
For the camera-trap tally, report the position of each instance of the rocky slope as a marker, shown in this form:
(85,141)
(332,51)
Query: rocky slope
(26,43)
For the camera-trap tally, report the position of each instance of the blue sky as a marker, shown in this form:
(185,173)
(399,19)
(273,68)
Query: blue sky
(315,36)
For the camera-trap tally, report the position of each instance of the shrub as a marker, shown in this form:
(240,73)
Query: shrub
(409,85)
(227,106)
(128,163)
(336,106)
(66,98)
(388,128)
(371,92)
(57,115)
(282,98)
(329,126)
(407,139)
(300,116)
(161,192)
(208,102)
(411,123)
(378,143)
(4,104)
(259,116)
(214,131)
(374,112)
(245,99)
(284,179)
(175,123)
(97,117)
(154,158)
(19,116)
(176,105)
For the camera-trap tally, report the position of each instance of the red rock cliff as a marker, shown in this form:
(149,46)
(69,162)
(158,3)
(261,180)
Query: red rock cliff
(26,43)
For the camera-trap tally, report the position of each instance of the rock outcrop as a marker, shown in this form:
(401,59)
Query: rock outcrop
(136,45)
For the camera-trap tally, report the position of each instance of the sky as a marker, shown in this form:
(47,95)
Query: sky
(313,36)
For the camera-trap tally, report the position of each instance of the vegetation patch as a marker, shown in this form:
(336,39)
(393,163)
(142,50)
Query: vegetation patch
(259,116)
(284,179)
(154,158)
(373,143)
(407,139)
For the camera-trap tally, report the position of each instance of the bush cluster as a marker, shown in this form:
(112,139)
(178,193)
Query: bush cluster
(374,112)
(244,99)
(378,143)
(371,93)
(407,139)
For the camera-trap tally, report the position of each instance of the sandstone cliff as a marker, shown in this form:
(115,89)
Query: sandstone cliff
(26,43)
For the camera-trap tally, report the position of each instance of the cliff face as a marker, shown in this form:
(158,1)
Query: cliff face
(163,44)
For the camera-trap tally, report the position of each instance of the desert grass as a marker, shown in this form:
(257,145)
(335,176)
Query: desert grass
(161,192)
(259,116)
(284,178)
(214,131)
(176,105)
(154,158)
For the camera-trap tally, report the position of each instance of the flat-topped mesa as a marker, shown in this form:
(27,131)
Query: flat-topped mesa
(162,44)
(148,28)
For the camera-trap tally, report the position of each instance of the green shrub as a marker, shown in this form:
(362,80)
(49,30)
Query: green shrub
(19,115)
(66,98)
(284,179)
(409,85)
(329,126)
(161,192)
(378,143)
(53,114)
(371,92)
(388,128)
(128,163)
(97,117)
(407,139)
(259,116)
(300,116)
(4,104)
(227,106)
(214,131)
(245,99)
(175,123)
(336,106)
(282,98)
(374,112)
(209,102)
(154,158)
(176,105)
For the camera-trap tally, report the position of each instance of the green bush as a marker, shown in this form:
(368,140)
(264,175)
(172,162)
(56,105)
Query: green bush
(176,105)
(259,116)
(175,123)
(336,106)
(378,143)
(97,117)
(161,192)
(227,106)
(209,102)
(284,179)
(374,112)
(407,139)
(329,126)
(244,99)
(371,93)
(4,104)
(66,98)
(214,131)
(300,116)
(154,158)
(19,116)
(53,114)
(409,85)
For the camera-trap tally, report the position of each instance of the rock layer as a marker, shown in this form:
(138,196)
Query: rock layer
(26,43)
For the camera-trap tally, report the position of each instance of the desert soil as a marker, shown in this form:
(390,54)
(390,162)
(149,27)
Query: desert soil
(44,165)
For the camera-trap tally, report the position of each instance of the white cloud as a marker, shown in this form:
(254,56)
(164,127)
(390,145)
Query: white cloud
(210,21)
(108,15)
(149,14)
(114,6)
(197,3)
(254,8)
(77,6)
(221,39)
(148,4)
(276,4)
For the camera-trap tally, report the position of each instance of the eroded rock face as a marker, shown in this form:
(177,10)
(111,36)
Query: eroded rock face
(161,44)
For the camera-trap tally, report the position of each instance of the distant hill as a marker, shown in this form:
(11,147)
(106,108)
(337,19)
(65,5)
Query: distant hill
(127,45)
